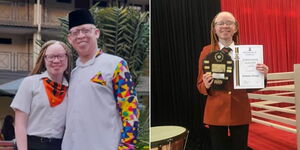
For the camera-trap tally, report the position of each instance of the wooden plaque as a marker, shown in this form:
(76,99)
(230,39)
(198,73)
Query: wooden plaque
(220,66)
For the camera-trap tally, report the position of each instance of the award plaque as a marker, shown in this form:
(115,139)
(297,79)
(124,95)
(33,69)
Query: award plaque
(220,66)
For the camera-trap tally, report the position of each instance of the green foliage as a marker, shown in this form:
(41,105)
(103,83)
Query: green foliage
(143,133)
(124,32)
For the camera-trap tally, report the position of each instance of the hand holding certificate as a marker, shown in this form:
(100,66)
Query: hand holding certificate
(245,74)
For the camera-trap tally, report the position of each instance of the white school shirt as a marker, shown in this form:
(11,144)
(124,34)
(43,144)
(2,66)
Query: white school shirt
(43,120)
(93,121)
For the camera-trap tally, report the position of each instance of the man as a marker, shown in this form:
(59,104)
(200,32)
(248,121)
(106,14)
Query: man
(102,111)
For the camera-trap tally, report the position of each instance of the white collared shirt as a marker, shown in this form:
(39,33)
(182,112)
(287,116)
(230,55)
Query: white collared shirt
(43,120)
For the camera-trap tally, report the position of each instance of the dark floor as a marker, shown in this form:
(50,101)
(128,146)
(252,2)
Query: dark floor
(200,143)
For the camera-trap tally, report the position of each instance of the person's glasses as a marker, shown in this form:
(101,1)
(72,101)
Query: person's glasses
(221,23)
(51,58)
(84,31)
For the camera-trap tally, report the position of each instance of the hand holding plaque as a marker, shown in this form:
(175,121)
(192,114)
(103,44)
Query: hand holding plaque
(220,65)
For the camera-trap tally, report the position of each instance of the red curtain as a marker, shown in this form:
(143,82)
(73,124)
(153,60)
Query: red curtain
(275,24)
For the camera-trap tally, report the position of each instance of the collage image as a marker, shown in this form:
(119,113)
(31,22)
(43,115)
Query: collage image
(149,75)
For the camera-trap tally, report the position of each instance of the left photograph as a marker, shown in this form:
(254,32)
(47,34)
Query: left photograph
(74,75)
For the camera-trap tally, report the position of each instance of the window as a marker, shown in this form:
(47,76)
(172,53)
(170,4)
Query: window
(5,41)
(64,1)
(82,4)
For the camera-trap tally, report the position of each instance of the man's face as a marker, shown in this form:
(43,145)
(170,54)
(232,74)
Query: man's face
(225,26)
(84,39)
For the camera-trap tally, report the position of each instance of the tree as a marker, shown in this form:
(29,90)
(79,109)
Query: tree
(124,32)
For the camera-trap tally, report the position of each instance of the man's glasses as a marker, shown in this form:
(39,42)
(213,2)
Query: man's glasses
(221,23)
(51,58)
(84,31)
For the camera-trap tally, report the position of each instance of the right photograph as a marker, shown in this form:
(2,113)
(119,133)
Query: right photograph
(225,75)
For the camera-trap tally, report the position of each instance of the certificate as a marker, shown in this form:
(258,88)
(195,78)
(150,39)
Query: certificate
(245,75)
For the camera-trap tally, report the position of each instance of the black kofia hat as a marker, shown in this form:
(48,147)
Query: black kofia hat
(80,17)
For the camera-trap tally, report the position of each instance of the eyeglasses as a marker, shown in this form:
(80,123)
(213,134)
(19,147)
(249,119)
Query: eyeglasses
(51,58)
(221,23)
(84,31)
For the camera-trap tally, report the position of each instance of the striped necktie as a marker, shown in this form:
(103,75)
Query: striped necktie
(226,50)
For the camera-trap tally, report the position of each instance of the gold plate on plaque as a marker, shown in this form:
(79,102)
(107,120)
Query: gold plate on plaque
(206,62)
(218,67)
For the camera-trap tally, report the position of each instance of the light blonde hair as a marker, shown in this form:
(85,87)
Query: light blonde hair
(40,63)
(213,36)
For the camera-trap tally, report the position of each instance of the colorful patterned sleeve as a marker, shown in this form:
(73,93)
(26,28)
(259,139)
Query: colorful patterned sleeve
(127,103)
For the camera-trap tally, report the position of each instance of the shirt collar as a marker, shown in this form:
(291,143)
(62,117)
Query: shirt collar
(222,46)
(46,75)
(90,62)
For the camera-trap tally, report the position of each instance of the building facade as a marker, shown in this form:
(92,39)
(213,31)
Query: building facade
(22,22)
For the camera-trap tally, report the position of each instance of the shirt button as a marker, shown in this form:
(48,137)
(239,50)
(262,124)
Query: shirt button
(229,92)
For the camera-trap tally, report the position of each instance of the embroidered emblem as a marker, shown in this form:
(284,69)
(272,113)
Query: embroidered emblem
(98,79)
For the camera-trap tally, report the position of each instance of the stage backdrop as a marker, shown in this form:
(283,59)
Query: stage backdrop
(275,24)
(179,30)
